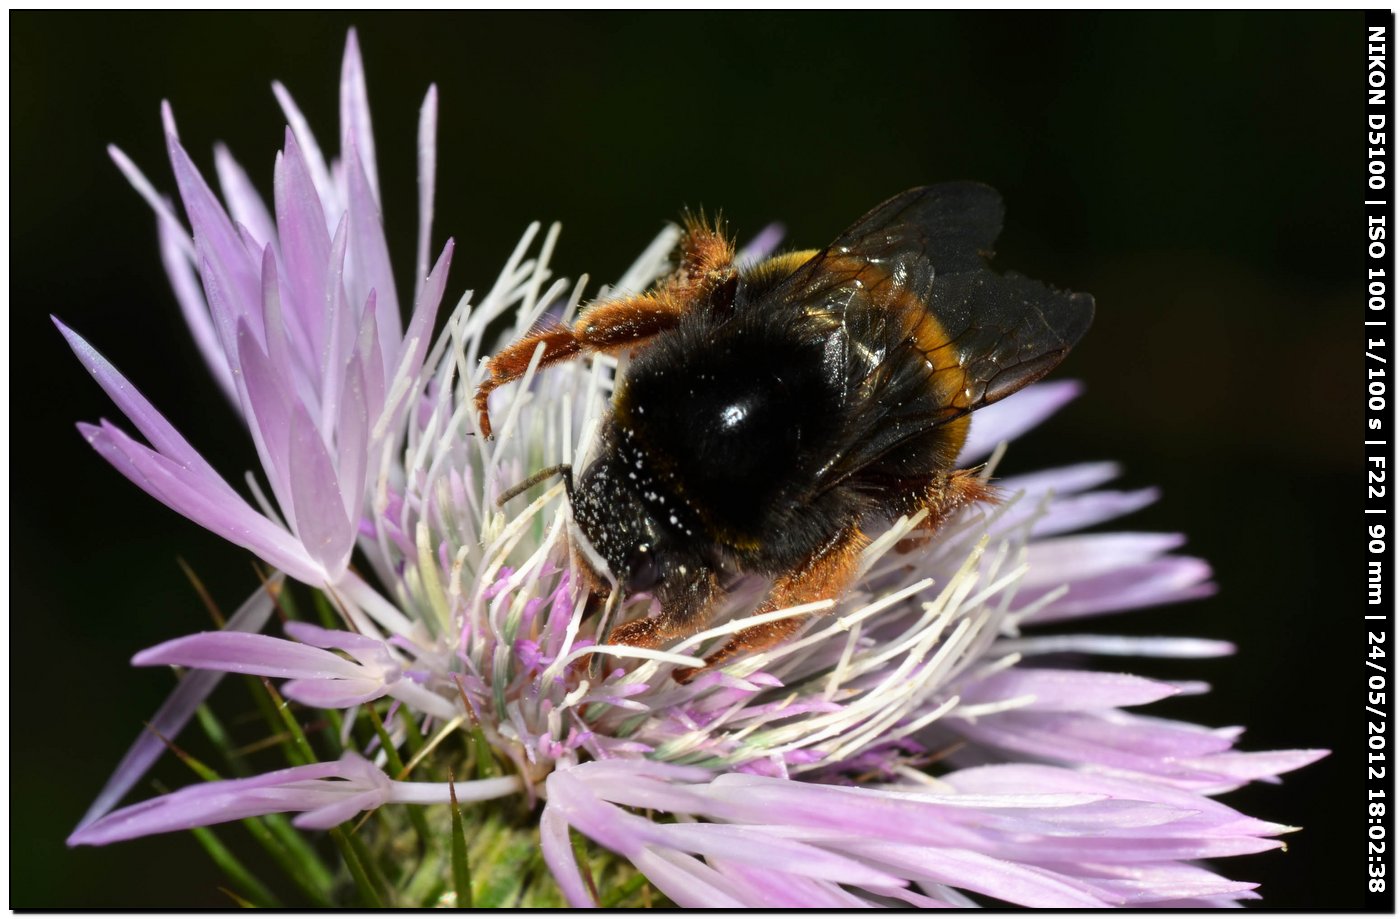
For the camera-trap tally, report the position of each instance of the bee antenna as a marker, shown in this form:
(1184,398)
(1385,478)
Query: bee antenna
(537,478)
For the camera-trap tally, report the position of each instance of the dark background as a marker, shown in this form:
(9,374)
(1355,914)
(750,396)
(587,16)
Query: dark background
(1200,174)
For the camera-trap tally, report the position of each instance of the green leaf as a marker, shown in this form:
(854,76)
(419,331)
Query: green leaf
(461,870)
(298,736)
(369,896)
(396,771)
(241,877)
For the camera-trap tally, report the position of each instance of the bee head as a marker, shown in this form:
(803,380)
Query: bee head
(621,528)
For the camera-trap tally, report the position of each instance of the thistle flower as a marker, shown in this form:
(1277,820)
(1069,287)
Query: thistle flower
(918,744)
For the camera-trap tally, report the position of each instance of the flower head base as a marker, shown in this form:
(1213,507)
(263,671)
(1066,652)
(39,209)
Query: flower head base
(914,745)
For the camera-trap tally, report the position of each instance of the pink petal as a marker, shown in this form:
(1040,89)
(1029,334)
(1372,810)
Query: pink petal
(151,423)
(269,413)
(1021,884)
(318,693)
(687,881)
(1064,480)
(427,181)
(558,854)
(1113,739)
(369,254)
(211,504)
(1077,512)
(356,131)
(762,245)
(1013,416)
(352,438)
(245,205)
(175,712)
(321,522)
(1067,690)
(294,789)
(301,226)
(315,160)
(1166,580)
(174,254)
(1066,559)
(217,241)
(263,655)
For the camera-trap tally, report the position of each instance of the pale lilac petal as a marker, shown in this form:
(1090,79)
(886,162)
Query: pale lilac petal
(300,788)
(371,366)
(279,353)
(151,423)
(689,882)
(216,239)
(323,818)
(175,712)
(1248,767)
(427,181)
(338,693)
(1067,690)
(175,254)
(269,412)
(1117,646)
(306,246)
(1166,580)
(245,205)
(418,337)
(764,886)
(355,128)
(717,840)
(369,253)
(1013,416)
(1196,904)
(762,245)
(1047,848)
(1112,739)
(321,522)
(165,214)
(225,318)
(352,438)
(558,855)
(1063,480)
(337,325)
(1141,884)
(1023,885)
(1208,817)
(352,642)
(1079,511)
(262,655)
(315,160)
(1066,559)
(212,505)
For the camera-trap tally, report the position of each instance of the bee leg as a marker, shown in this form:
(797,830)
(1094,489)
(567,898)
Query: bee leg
(944,496)
(605,328)
(824,575)
(705,276)
(706,260)
(683,609)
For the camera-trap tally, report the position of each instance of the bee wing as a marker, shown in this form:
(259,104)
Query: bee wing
(912,274)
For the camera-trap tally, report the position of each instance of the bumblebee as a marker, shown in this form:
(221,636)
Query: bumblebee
(772,414)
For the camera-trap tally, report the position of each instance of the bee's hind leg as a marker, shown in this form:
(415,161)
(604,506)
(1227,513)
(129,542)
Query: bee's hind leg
(942,497)
(825,575)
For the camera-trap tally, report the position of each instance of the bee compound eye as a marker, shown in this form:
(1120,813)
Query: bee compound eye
(643,569)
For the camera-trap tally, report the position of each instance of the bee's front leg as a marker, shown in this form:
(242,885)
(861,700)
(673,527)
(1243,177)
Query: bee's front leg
(825,575)
(686,603)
